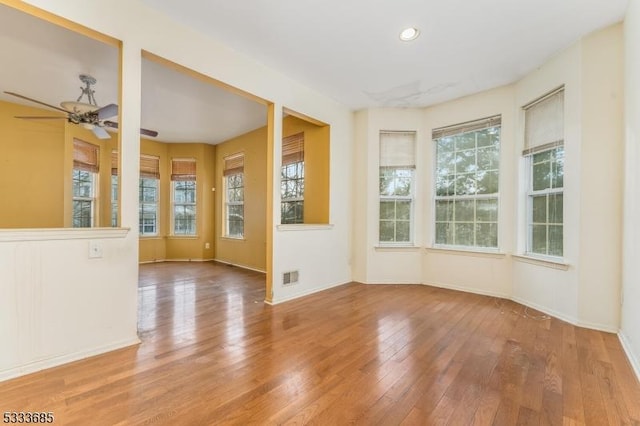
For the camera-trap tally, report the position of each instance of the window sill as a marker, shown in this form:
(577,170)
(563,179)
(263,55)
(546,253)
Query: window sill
(150,237)
(49,234)
(398,248)
(305,227)
(183,237)
(239,239)
(488,253)
(540,261)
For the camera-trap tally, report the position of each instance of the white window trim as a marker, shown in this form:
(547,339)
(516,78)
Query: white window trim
(157,205)
(530,193)
(411,198)
(227,203)
(93,200)
(284,200)
(458,248)
(173,204)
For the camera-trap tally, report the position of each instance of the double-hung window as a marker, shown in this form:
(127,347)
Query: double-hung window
(466,184)
(149,195)
(292,179)
(85,183)
(544,158)
(183,187)
(397,177)
(234,195)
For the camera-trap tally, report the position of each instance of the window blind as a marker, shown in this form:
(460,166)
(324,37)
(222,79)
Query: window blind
(293,149)
(466,127)
(149,167)
(397,149)
(114,163)
(85,156)
(233,164)
(183,169)
(544,123)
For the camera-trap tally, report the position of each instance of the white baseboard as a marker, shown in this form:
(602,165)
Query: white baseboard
(64,359)
(633,359)
(175,260)
(304,293)
(239,265)
(566,318)
(152,261)
(481,292)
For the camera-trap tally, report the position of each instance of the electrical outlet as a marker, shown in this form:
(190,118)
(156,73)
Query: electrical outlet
(207,246)
(95,249)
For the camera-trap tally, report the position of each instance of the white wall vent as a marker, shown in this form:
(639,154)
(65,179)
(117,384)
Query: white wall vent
(289,278)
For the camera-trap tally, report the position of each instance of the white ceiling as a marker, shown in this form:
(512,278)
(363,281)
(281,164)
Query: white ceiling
(43,61)
(350,50)
(346,49)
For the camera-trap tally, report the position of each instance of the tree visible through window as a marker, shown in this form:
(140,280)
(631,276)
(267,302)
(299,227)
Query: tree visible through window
(183,177)
(546,202)
(467,171)
(292,179)
(148,206)
(234,195)
(544,154)
(85,183)
(397,167)
(148,194)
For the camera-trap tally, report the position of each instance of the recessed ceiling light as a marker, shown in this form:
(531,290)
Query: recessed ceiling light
(409,34)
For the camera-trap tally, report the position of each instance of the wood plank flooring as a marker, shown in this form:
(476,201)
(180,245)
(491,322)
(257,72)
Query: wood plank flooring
(213,353)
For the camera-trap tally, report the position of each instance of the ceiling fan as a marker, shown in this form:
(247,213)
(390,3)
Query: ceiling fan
(87,114)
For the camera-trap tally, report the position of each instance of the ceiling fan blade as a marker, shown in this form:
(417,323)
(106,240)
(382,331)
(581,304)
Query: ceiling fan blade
(107,111)
(38,102)
(39,117)
(100,132)
(148,132)
(145,132)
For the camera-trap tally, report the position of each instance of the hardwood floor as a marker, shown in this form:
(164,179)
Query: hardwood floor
(213,353)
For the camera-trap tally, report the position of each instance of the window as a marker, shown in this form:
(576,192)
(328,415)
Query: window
(148,195)
(114,188)
(183,185)
(466,184)
(397,167)
(544,154)
(292,179)
(234,196)
(85,177)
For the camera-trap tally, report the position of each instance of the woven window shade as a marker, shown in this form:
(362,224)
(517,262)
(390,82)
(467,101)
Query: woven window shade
(544,122)
(233,164)
(114,163)
(469,126)
(293,149)
(149,167)
(183,169)
(86,156)
(398,149)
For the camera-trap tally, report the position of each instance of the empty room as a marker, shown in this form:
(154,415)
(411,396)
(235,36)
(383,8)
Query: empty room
(320,212)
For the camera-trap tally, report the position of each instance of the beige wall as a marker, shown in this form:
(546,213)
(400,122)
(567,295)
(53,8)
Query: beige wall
(251,250)
(630,327)
(585,288)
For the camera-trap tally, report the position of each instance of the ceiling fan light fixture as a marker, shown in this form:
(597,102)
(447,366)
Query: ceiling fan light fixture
(78,107)
(409,34)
